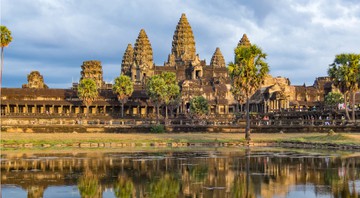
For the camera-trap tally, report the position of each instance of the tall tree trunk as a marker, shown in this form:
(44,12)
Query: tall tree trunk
(353,106)
(346,108)
(2,67)
(238,107)
(87,111)
(166,112)
(122,109)
(247,153)
(247,129)
(157,113)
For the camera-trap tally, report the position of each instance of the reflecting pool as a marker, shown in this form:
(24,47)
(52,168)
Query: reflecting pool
(191,172)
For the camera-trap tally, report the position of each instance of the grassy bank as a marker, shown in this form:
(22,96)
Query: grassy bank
(39,139)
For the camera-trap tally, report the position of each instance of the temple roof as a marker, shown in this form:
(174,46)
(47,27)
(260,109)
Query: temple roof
(217,59)
(183,45)
(143,54)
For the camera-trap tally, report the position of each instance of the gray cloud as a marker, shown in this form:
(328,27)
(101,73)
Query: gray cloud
(55,37)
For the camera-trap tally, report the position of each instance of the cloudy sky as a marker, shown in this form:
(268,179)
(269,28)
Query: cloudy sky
(301,37)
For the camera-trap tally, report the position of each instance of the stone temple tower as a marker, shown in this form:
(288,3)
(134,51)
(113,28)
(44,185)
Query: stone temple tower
(35,81)
(217,59)
(93,69)
(244,41)
(127,61)
(183,45)
(143,65)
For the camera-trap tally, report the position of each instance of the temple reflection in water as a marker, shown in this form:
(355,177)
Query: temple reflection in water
(209,173)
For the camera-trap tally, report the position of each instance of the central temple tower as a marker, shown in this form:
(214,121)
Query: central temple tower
(183,45)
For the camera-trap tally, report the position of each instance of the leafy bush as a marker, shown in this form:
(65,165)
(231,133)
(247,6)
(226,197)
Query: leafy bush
(331,132)
(157,129)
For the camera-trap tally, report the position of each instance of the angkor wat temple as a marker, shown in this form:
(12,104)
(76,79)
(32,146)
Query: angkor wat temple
(195,77)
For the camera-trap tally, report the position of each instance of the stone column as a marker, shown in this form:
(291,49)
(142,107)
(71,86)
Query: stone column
(287,104)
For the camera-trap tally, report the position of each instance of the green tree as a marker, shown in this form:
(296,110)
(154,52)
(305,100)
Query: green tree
(199,107)
(247,74)
(123,87)
(88,92)
(162,88)
(333,98)
(6,39)
(155,88)
(172,90)
(345,75)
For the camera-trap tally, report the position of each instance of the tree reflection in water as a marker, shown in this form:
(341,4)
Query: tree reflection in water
(238,189)
(207,173)
(124,187)
(88,185)
(165,187)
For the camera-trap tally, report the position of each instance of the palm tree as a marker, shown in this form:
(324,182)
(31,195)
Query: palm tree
(247,74)
(5,41)
(239,97)
(123,87)
(88,92)
(345,72)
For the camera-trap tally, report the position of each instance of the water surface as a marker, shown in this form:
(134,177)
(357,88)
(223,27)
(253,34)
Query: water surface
(194,172)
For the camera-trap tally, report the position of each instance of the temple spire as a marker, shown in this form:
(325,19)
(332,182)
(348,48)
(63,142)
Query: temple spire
(143,54)
(127,60)
(92,69)
(183,45)
(244,41)
(217,59)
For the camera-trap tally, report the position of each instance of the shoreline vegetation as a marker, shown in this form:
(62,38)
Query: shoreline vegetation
(344,141)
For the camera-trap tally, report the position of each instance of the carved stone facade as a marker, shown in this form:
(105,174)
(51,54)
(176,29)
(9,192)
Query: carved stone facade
(194,76)
(277,94)
(93,69)
(35,81)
